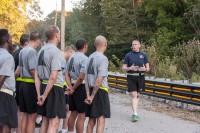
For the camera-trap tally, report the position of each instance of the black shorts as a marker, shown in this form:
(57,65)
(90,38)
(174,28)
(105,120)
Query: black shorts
(66,96)
(100,105)
(135,83)
(18,83)
(54,105)
(8,110)
(76,100)
(28,98)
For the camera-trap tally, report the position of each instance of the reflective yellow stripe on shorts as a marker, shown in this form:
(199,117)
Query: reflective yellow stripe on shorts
(104,88)
(28,80)
(19,79)
(46,82)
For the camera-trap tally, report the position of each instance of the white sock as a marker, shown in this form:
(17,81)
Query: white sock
(135,113)
(64,131)
(38,119)
(70,132)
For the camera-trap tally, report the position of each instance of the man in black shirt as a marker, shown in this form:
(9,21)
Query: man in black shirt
(135,64)
(24,40)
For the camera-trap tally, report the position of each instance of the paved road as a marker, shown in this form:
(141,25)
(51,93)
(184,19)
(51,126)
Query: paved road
(150,122)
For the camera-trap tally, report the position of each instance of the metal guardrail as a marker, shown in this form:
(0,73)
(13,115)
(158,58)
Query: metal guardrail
(181,92)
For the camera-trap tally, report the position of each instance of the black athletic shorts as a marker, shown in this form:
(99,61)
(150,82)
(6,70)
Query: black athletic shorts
(66,96)
(8,110)
(28,98)
(100,105)
(18,83)
(76,100)
(54,105)
(135,83)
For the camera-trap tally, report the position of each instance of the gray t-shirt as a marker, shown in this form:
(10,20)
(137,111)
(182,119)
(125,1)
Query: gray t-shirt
(49,59)
(97,66)
(27,61)
(76,65)
(7,67)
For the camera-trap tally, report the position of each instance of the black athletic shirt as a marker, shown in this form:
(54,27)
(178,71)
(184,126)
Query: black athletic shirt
(137,58)
(16,57)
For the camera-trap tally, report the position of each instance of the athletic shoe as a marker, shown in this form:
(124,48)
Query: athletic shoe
(38,124)
(135,118)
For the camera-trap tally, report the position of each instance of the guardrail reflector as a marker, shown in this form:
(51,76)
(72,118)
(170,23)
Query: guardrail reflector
(184,97)
(121,85)
(182,89)
(197,91)
(163,93)
(196,99)
(147,90)
(162,86)
(149,84)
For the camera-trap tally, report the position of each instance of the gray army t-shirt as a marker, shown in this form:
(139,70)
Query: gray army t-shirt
(77,64)
(27,61)
(97,66)
(49,59)
(7,67)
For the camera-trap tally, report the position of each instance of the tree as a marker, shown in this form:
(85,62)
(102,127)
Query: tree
(13,17)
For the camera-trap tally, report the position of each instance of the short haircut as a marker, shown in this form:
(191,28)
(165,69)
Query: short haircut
(35,35)
(23,39)
(136,40)
(71,47)
(100,40)
(80,43)
(50,31)
(4,36)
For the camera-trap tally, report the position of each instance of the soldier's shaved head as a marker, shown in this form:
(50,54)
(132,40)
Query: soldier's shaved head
(100,40)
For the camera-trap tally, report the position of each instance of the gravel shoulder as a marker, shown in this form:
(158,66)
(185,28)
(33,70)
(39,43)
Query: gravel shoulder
(156,117)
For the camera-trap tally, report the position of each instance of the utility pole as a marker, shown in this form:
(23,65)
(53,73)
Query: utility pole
(63,25)
(56,15)
(136,25)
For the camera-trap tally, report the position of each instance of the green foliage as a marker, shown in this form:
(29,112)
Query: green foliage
(164,27)
(187,58)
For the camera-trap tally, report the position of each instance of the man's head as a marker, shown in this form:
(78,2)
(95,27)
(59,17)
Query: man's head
(24,40)
(101,43)
(81,45)
(5,39)
(69,51)
(52,33)
(136,45)
(35,38)
(15,47)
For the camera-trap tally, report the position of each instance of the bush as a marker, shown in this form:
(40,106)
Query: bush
(184,64)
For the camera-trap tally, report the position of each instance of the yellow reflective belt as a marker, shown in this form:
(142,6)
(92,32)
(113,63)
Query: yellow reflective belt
(46,82)
(19,79)
(28,80)
(65,84)
(104,88)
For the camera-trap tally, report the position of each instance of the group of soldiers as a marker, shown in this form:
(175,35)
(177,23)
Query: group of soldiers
(49,86)
(55,85)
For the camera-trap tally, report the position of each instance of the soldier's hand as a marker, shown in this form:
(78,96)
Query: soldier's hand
(133,68)
(67,91)
(87,101)
(41,100)
(143,68)
(71,91)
